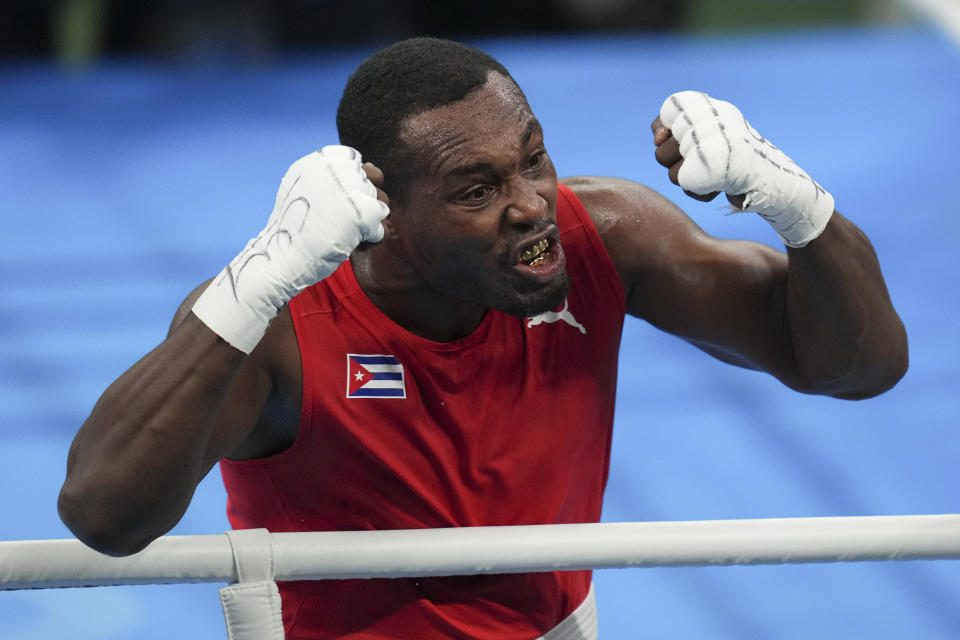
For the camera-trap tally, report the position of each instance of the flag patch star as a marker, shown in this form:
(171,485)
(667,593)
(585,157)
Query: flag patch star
(375,376)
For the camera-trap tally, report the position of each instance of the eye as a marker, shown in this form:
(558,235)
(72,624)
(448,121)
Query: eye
(478,193)
(538,159)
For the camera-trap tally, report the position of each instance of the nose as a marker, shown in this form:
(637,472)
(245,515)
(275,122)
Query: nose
(525,206)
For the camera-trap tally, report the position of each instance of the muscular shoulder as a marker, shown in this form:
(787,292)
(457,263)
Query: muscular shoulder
(615,204)
(607,199)
(642,231)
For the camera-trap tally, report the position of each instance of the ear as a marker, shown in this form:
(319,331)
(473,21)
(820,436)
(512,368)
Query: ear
(393,224)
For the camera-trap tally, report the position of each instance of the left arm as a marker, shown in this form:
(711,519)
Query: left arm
(847,339)
(819,318)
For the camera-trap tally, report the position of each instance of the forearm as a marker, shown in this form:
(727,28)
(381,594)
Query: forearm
(845,336)
(158,429)
(135,462)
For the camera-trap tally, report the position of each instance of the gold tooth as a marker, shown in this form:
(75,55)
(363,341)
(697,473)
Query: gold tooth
(535,250)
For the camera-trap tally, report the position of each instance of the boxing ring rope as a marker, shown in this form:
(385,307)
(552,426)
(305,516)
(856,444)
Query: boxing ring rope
(257,557)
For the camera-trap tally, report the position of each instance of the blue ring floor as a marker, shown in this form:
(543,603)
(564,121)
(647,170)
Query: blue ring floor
(123,188)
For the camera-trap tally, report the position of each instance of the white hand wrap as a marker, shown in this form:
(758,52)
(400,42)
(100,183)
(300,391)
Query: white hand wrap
(325,207)
(722,152)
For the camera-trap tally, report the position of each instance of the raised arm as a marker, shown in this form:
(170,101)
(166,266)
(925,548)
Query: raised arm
(222,382)
(156,432)
(818,317)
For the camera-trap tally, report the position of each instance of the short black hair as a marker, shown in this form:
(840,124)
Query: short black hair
(407,78)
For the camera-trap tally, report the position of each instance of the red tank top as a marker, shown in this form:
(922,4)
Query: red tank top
(509,425)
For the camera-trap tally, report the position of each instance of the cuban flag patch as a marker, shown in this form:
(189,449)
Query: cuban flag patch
(374,376)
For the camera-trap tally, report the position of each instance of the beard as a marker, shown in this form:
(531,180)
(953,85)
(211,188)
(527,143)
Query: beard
(546,298)
(500,289)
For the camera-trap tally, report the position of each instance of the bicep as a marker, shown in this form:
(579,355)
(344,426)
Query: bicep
(266,397)
(240,415)
(726,297)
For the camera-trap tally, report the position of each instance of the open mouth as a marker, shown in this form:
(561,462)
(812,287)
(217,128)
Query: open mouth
(536,254)
(541,261)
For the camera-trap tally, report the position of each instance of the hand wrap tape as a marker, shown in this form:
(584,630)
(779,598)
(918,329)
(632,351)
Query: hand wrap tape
(325,207)
(722,152)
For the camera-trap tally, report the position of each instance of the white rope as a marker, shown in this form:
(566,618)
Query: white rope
(41,564)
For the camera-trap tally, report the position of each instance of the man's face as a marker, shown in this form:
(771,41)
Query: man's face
(479,223)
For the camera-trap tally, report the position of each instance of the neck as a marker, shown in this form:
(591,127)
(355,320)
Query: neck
(400,292)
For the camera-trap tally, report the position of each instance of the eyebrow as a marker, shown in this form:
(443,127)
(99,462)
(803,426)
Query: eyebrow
(532,127)
(474,168)
(471,169)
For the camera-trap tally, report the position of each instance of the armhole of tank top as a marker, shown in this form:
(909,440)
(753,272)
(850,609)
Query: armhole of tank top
(596,243)
(304,424)
(306,405)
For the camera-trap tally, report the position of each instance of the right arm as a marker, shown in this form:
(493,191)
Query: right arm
(211,388)
(155,433)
